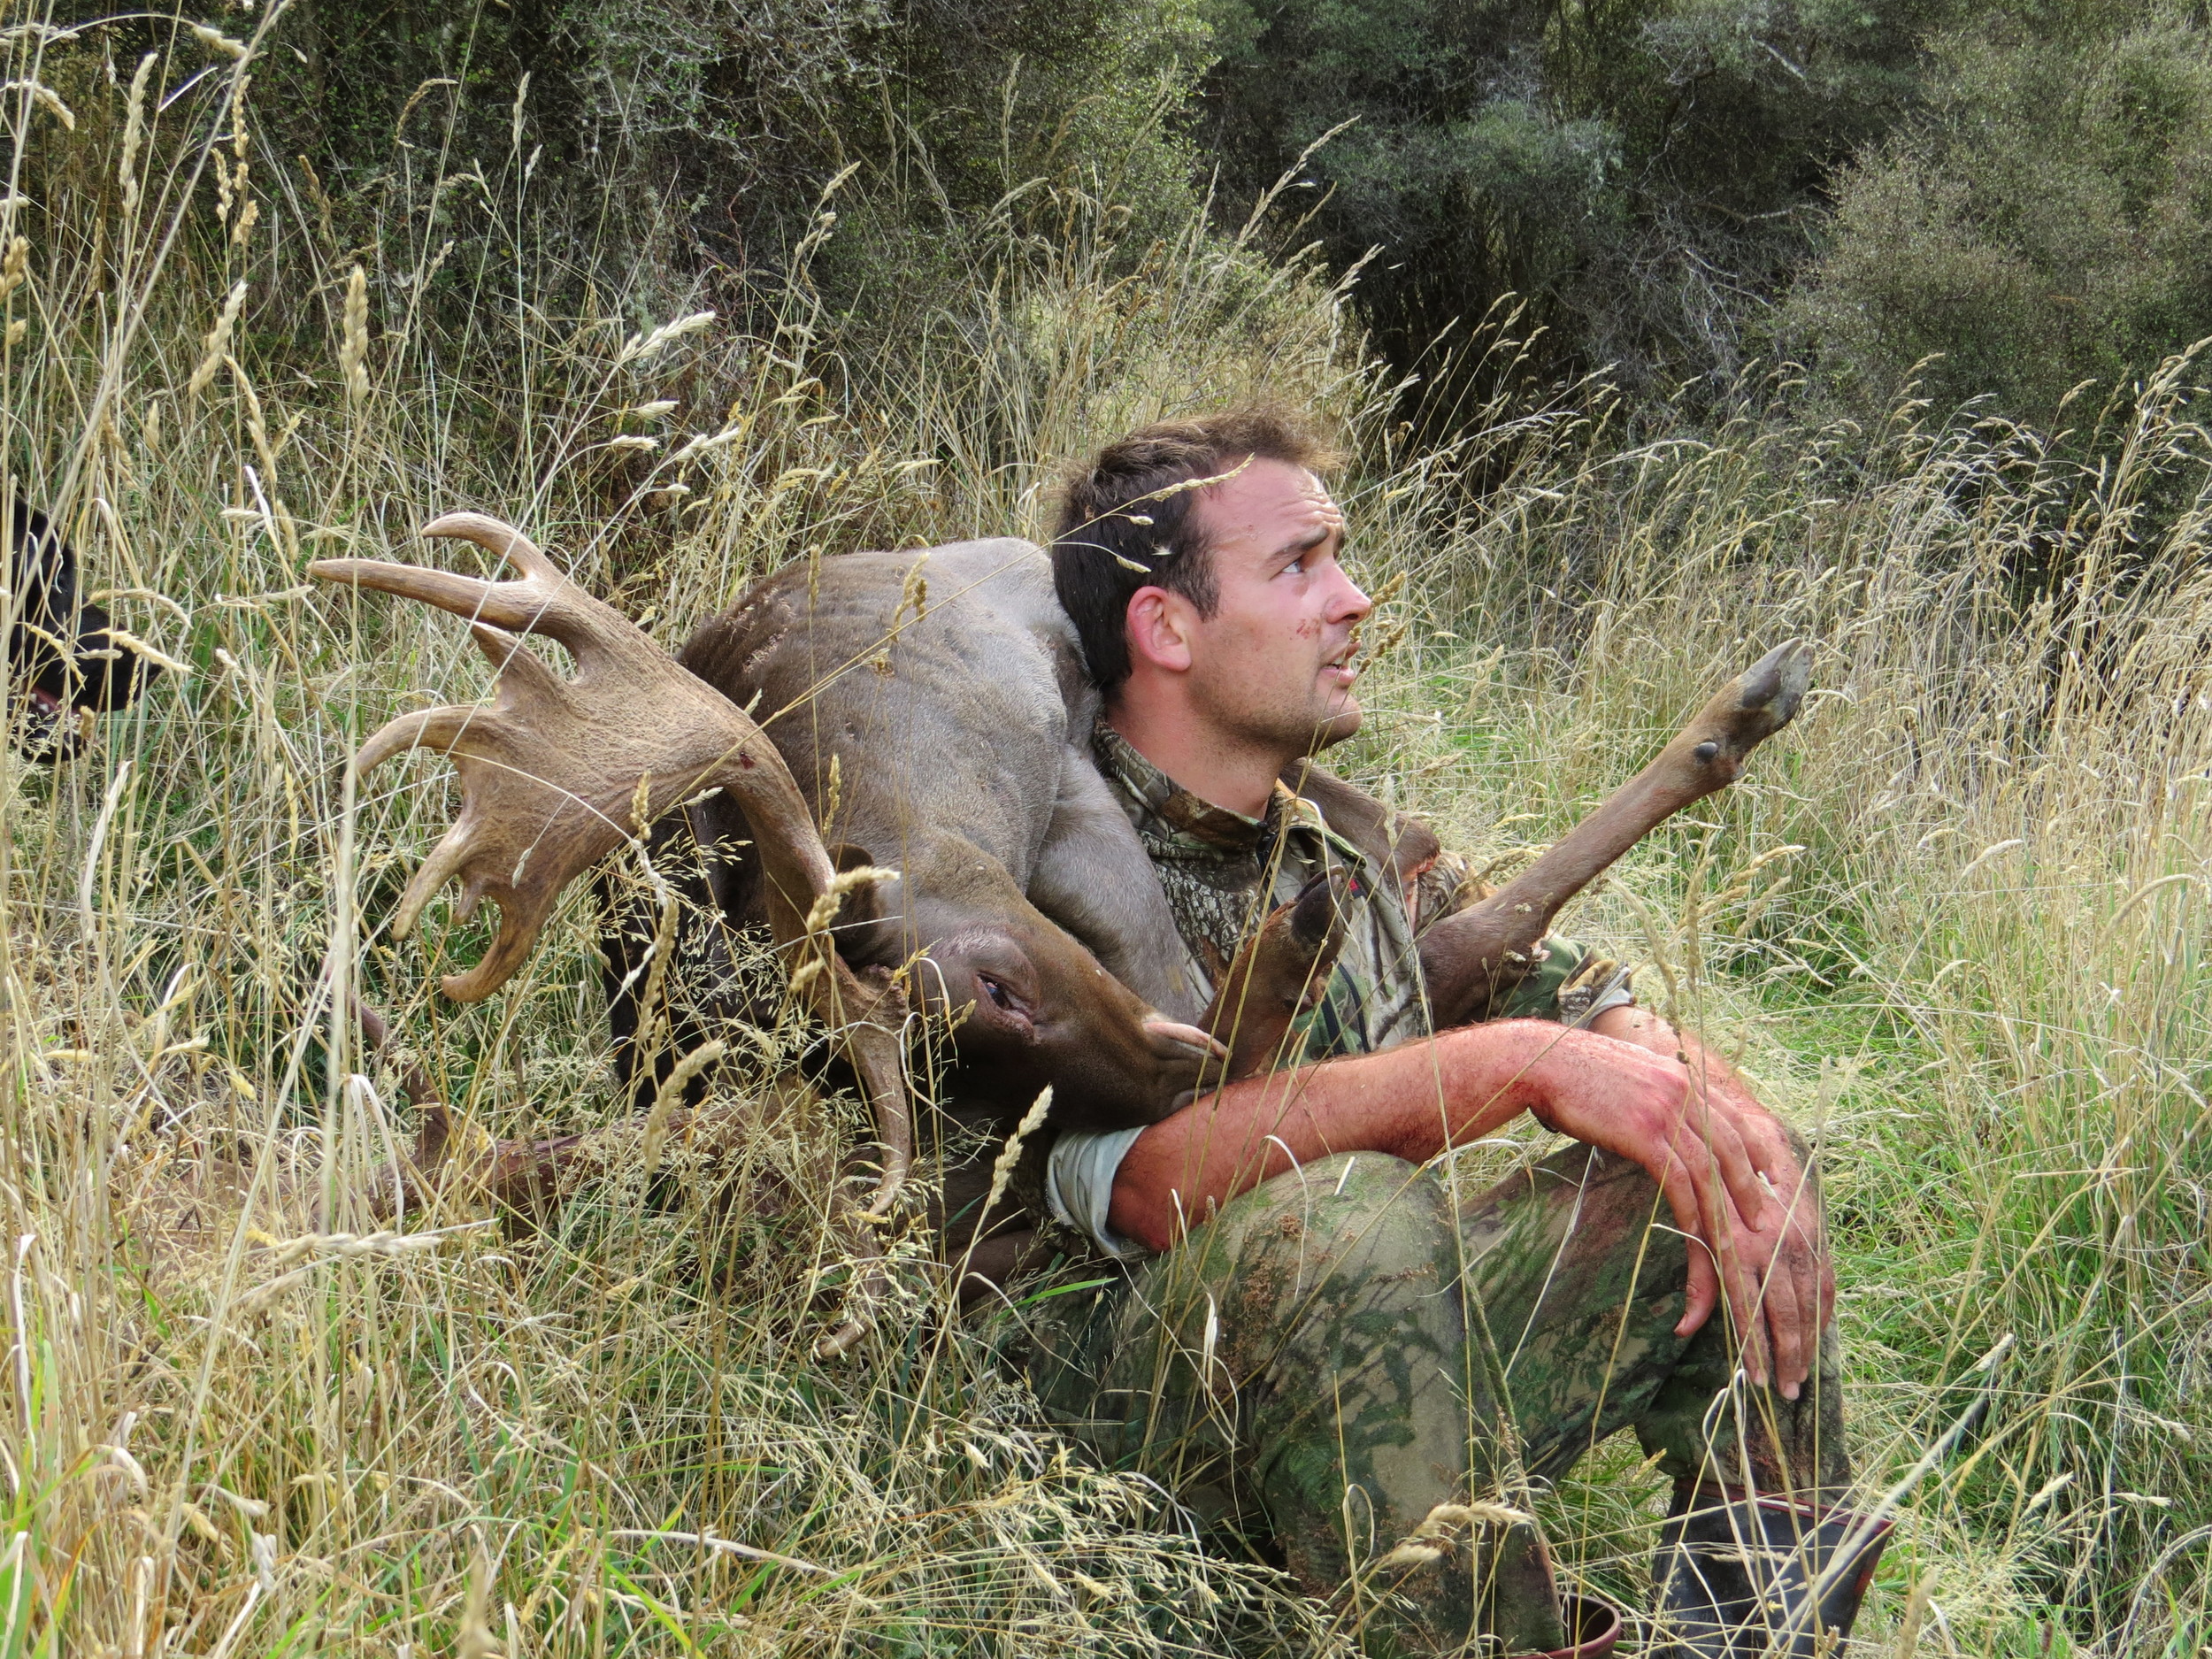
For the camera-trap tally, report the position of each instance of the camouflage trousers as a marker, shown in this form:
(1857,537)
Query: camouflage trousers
(1347,1363)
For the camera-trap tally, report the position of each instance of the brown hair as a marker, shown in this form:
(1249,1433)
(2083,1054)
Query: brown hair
(1125,524)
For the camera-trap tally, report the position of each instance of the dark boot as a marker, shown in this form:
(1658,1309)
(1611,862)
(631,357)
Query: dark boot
(1759,1577)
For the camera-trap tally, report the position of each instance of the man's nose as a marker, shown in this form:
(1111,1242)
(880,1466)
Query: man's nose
(1351,604)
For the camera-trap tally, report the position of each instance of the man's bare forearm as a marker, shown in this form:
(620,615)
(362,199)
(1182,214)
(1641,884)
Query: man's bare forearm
(1639,1089)
(1411,1102)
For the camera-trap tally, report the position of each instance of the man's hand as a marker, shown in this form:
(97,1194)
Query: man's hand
(1761,1221)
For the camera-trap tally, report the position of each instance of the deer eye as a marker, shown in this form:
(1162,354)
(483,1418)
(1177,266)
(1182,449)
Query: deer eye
(996,992)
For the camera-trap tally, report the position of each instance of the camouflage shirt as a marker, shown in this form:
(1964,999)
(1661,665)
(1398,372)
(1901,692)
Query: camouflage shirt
(1222,872)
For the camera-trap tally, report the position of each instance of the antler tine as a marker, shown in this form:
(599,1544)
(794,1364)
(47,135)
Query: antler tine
(542,600)
(495,535)
(546,601)
(505,788)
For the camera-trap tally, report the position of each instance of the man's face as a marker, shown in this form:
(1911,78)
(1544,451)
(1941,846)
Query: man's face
(1272,665)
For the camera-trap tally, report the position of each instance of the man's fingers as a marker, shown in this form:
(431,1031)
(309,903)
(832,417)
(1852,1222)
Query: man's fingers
(1682,1196)
(1713,1123)
(1736,1184)
(1704,1292)
(1795,1292)
(1702,1210)
(1817,1306)
(1785,1321)
(1724,1226)
(1744,1301)
(1804,1260)
(1791,1288)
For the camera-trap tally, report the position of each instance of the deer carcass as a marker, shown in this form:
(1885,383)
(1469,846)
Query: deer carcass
(934,703)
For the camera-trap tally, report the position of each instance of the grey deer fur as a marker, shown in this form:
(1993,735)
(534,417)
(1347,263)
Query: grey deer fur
(933,705)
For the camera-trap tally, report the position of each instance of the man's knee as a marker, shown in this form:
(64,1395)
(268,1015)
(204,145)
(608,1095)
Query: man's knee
(1348,1183)
(1344,1236)
(1312,1274)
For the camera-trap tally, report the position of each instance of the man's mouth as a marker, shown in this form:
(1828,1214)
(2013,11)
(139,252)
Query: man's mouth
(1339,670)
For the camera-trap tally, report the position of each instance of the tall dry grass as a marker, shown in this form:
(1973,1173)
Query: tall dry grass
(247,1414)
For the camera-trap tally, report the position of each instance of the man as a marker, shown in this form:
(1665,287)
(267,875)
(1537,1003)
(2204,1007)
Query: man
(1314,1343)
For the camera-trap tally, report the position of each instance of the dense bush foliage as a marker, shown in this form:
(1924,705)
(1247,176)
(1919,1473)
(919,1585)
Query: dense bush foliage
(2019,187)
(2049,222)
(710,135)
(1646,170)
(1671,188)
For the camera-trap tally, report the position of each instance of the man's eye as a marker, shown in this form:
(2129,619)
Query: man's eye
(1296,567)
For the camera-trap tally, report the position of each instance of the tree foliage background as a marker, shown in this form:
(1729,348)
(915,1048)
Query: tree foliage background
(1673,188)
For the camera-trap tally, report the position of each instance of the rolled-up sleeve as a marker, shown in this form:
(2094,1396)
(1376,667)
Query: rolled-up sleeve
(1571,984)
(1079,1186)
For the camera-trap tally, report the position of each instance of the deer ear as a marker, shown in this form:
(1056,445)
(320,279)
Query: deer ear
(1414,852)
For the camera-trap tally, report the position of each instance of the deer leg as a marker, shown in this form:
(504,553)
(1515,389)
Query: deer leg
(1278,974)
(1470,959)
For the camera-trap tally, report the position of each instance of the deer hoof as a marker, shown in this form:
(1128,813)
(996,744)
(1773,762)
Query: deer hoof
(1775,685)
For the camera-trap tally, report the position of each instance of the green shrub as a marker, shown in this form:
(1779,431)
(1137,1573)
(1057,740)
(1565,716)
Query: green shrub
(2046,225)
(1643,174)
(641,148)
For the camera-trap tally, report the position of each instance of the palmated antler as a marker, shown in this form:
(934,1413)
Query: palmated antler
(558,773)
(1474,957)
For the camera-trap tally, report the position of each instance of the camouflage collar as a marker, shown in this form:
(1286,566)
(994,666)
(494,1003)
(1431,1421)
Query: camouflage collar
(1177,808)
(1167,812)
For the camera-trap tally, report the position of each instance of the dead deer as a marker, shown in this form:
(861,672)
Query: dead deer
(933,702)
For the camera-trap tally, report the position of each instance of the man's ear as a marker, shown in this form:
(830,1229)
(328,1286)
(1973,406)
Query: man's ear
(1157,624)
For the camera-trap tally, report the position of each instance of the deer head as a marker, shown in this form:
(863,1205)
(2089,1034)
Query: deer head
(556,773)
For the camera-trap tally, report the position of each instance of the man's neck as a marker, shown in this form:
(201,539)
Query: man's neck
(1222,773)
